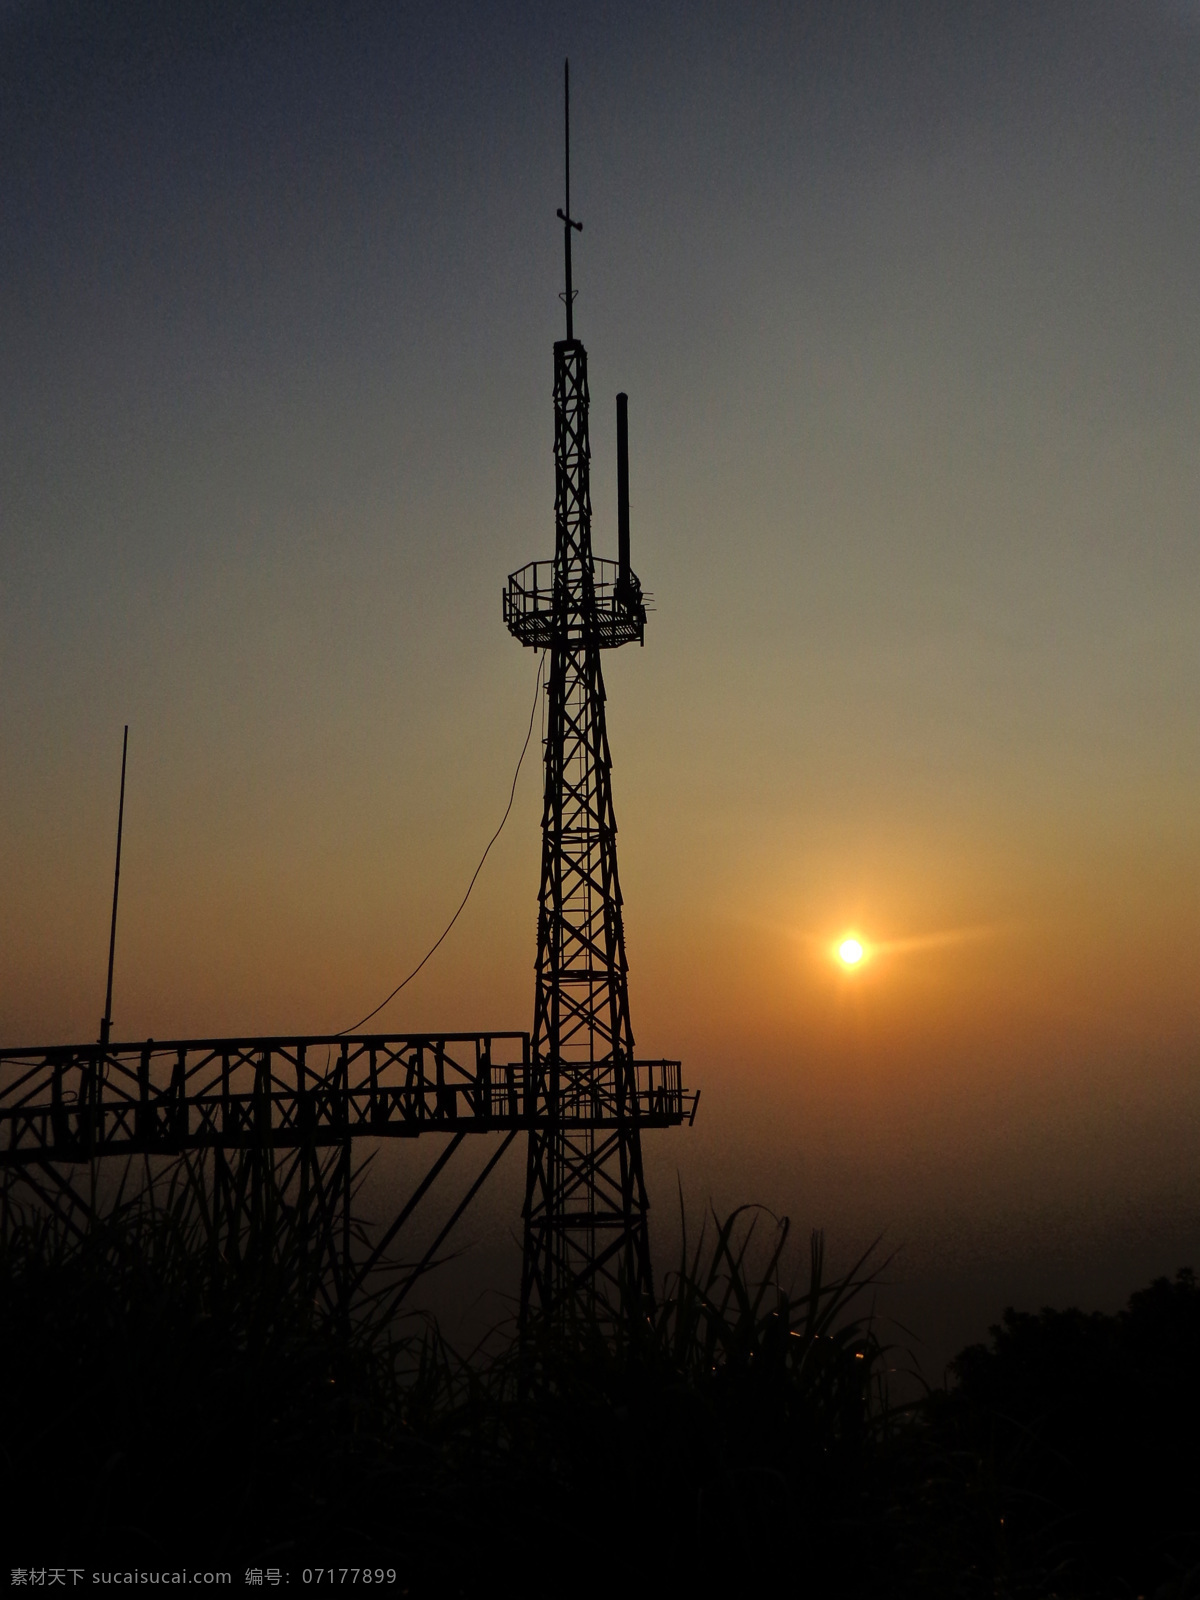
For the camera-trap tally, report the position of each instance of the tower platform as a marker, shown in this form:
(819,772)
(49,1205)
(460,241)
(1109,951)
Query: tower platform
(615,613)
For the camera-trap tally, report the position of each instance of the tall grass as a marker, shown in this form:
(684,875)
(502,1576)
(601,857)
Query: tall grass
(730,1424)
(170,1385)
(176,1381)
(174,1389)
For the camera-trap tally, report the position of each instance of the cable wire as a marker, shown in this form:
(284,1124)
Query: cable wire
(511,796)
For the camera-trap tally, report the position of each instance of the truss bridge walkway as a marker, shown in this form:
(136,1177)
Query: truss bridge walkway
(74,1103)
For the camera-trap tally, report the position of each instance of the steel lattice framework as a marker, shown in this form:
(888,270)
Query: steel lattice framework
(585,1199)
(269,1123)
(278,1117)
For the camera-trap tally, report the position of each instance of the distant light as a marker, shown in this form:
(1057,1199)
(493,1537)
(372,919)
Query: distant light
(851,952)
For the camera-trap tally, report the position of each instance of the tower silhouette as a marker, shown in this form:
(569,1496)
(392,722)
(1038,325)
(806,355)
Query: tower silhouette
(585,1212)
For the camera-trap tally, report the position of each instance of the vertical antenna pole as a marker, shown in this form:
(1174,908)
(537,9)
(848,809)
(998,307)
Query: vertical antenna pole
(623,495)
(106,1019)
(569,296)
(567,175)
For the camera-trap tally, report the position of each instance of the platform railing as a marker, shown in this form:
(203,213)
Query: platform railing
(619,615)
(75,1102)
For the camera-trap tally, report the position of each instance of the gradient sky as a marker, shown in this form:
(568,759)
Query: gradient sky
(904,298)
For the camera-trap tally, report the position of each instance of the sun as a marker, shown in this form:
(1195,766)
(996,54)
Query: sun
(851,952)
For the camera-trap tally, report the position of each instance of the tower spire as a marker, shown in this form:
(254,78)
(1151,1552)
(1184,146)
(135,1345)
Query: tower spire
(568,224)
(106,1019)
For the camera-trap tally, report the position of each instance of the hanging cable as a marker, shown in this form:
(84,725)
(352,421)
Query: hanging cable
(511,796)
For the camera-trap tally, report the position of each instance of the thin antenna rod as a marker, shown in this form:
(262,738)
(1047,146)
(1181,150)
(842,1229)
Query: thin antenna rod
(569,296)
(106,1019)
(623,495)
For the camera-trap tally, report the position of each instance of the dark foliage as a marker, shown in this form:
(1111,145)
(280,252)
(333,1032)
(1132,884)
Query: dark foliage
(166,1399)
(1083,1434)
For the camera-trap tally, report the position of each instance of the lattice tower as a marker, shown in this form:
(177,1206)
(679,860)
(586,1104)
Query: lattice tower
(585,1214)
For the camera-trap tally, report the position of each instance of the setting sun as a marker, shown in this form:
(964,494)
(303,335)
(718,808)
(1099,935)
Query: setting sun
(851,952)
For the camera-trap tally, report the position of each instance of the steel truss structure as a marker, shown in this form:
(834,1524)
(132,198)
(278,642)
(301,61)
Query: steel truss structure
(278,1117)
(586,1206)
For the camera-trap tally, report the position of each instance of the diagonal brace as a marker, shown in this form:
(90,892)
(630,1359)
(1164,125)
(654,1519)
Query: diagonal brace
(425,1262)
(415,1200)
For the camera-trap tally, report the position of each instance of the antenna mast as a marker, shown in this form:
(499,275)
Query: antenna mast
(106,1019)
(586,1243)
(568,224)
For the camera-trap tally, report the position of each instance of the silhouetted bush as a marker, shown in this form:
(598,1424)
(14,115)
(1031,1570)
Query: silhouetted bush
(1086,1430)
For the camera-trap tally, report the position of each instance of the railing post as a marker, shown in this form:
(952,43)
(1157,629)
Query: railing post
(59,1121)
(445,1096)
(262,1098)
(378,1112)
(341,1112)
(483,1073)
(143,1120)
(304,1108)
(226,1105)
(179,1104)
(84,1123)
(414,1085)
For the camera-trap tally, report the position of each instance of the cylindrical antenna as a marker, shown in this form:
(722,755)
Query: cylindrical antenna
(623,494)
(106,1019)
(569,296)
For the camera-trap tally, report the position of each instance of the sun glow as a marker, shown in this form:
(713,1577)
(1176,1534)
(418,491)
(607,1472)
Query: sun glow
(851,952)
